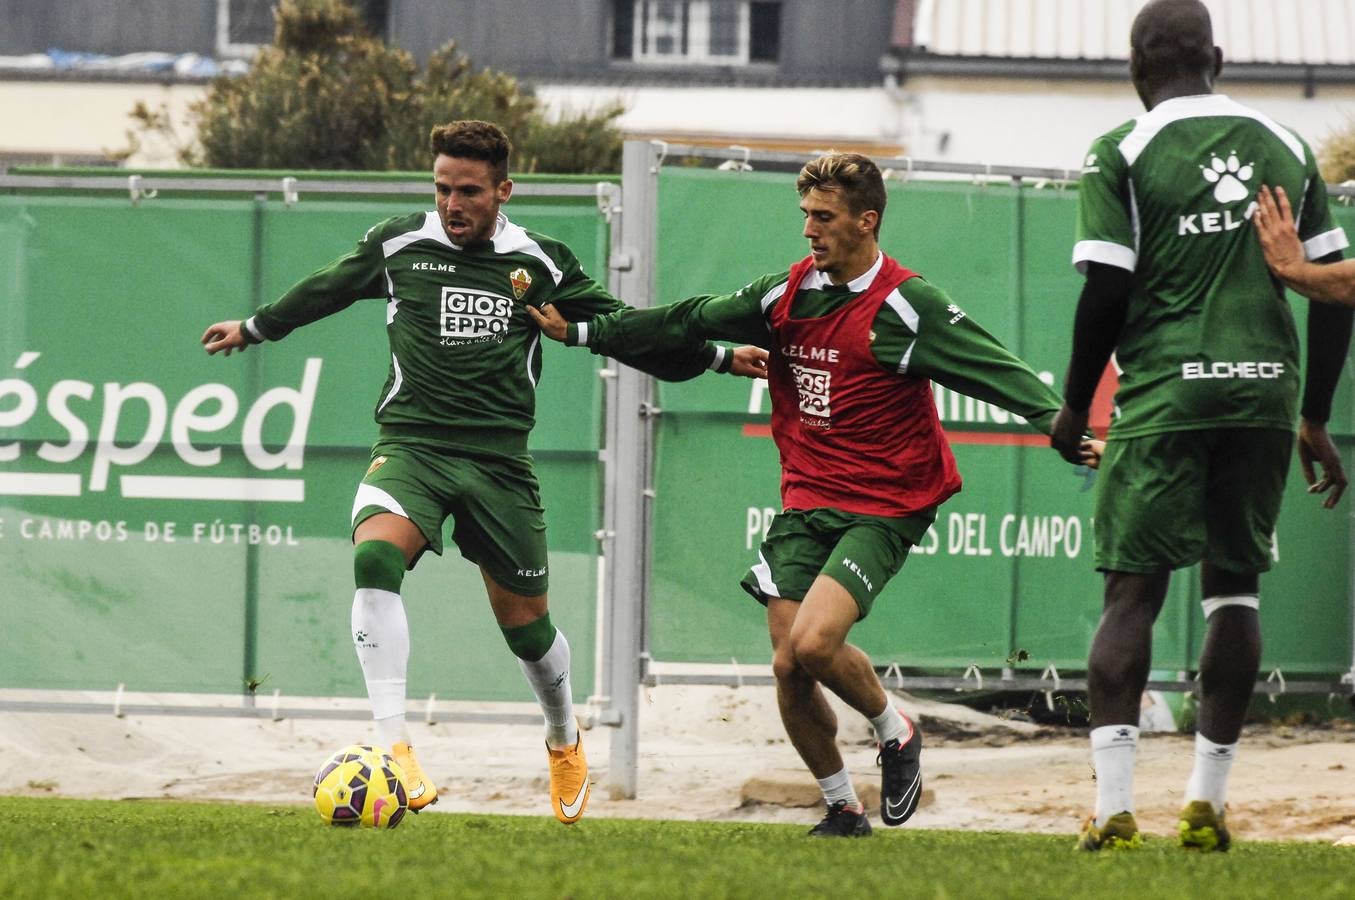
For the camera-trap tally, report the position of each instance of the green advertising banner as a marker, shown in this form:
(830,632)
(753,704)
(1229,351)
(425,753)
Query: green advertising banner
(177,522)
(1005,576)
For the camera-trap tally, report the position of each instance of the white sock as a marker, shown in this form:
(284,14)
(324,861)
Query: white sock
(549,678)
(891,724)
(381,637)
(391,730)
(1113,750)
(1209,778)
(838,786)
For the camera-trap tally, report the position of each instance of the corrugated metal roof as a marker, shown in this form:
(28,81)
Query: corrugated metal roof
(1313,32)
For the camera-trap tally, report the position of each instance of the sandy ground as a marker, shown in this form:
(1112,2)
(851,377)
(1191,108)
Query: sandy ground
(708,753)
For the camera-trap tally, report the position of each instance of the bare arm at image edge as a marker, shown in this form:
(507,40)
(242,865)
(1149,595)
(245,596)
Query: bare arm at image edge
(1275,228)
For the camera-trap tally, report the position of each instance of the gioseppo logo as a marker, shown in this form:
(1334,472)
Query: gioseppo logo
(813,385)
(473,316)
(203,411)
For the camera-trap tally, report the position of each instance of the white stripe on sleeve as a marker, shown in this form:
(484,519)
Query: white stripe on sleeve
(1107,252)
(1324,243)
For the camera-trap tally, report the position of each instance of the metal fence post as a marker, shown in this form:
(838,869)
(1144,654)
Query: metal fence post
(626,478)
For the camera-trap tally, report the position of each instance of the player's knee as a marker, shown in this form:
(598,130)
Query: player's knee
(784,667)
(378,564)
(814,652)
(532,641)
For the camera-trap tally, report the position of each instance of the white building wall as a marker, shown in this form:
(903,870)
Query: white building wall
(65,121)
(1051,125)
(1000,121)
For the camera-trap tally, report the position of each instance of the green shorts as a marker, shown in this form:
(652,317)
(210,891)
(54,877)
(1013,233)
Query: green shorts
(1164,501)
(494,502)
(859,552)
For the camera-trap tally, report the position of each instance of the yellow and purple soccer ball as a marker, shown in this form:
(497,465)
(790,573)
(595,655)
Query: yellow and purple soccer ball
(361,785)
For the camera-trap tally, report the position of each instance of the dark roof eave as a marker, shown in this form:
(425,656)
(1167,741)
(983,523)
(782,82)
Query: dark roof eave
(102,76)
(910,63)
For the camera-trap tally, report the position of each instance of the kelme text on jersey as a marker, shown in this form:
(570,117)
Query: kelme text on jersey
(1213,222)
(818,354)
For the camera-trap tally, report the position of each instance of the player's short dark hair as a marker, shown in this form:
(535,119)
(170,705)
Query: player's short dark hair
(1172,38)
(473,139)
(855,176)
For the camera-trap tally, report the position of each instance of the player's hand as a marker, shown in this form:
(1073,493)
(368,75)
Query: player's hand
(1274,225)
(749,361)
(549,320)
(1316,444)
(225,337)
(1068,434)
(1092,451)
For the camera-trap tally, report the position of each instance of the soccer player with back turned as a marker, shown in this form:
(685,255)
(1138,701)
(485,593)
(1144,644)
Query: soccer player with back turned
(854,341)
(1208,353)
(454,415)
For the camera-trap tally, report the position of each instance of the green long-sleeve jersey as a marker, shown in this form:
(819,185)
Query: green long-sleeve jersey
(465,357)
(926,335)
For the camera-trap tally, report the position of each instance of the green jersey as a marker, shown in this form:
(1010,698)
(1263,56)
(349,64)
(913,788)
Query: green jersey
(1209,339)
(465,355)
(922,333)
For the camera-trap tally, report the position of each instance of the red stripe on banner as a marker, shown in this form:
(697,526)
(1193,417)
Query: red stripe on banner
(999,438)
(1030,439)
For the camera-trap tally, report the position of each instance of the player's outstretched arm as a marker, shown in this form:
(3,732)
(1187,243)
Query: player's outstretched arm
(1316,445)
(747,361)
(224,337)
(1275,229)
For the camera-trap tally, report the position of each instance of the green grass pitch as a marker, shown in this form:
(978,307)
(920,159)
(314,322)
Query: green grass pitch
(84,848)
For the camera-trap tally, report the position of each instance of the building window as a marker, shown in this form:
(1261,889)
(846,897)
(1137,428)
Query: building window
(764,32)
(696,32)
(243,26)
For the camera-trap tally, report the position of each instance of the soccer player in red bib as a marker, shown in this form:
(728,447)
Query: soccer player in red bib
(854,341)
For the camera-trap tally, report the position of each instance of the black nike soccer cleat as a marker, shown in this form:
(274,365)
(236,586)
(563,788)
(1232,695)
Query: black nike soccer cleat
(900,777)
(842,821)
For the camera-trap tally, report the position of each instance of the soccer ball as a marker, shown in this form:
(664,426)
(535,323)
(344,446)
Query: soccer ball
(361,785)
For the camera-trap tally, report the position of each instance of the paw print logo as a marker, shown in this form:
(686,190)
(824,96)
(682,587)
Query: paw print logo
(1227,177)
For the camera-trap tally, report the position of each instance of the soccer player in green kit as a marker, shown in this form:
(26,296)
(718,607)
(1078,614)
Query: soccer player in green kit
(854,341)
(1206,344)
(454,418)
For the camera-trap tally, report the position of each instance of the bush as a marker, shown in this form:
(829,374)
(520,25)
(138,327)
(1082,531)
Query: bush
(328,95)
(1336,157)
